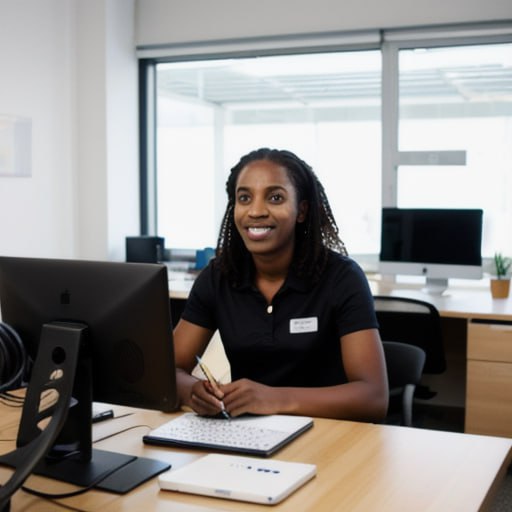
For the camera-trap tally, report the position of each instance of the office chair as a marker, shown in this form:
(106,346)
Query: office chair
(405,366)
(414,322)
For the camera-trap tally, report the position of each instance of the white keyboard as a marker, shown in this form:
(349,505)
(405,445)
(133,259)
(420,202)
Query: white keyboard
(246,434)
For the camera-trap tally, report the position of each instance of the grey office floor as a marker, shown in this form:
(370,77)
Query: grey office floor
(503,499)
(452,420)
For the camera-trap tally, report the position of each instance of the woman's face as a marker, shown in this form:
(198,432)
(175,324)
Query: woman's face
(267,208)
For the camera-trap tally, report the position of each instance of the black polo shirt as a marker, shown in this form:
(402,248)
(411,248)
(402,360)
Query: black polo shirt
(295,341)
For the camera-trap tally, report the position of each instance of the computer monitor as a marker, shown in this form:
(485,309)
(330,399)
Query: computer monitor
(121,312)
(436,243)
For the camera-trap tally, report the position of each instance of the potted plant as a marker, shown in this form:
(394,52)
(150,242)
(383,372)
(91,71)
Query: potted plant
(500,282)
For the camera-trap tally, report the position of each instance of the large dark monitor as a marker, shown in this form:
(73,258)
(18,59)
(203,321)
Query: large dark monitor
(119,316)
(436,243)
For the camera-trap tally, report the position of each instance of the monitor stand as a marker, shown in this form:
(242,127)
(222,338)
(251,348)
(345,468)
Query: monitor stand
(435,286)
(63,450)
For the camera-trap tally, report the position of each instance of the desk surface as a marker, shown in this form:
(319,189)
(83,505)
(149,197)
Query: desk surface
(471,301)
(361,467)
(457,302)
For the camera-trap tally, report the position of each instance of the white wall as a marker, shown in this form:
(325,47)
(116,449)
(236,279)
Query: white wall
(122,128)
(37,213)
(69,66)
(107,154)
(179,21)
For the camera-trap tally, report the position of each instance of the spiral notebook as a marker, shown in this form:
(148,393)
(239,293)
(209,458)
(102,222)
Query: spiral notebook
(266,481)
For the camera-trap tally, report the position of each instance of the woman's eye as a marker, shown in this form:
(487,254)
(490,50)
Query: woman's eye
(243,198)
(276,198)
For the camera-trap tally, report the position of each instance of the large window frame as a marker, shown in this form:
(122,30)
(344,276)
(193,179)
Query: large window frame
(393,42)
(390,42)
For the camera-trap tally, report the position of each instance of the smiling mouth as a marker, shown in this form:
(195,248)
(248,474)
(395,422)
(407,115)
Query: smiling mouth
(257,233)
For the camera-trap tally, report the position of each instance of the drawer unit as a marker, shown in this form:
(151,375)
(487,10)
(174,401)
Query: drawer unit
(489,379)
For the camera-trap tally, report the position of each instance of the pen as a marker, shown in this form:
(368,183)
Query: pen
(213,382)
(102,416)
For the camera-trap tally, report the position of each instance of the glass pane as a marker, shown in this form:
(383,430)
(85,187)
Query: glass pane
(323,107)
(185,178)
(460,98)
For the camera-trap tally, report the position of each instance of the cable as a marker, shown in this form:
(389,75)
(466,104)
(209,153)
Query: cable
(10,400)
(13,358)
(70,494)
(122,430)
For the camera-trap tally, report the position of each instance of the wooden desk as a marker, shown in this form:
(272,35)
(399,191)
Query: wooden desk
(468,302)
(361,467)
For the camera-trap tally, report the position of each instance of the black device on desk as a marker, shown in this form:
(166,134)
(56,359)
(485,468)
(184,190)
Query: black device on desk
(117,317)
(145,249)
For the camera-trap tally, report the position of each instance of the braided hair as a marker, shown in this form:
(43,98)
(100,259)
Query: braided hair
(313,238)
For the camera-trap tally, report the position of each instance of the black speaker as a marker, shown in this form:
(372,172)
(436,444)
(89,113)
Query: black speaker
(144,249)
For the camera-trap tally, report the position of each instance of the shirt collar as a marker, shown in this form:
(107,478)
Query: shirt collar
(292,280)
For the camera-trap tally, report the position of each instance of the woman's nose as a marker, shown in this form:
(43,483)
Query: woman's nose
(258,208)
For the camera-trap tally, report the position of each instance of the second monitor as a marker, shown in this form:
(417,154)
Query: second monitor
(435,243)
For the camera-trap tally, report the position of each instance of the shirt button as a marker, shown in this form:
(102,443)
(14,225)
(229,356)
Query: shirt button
(269,309)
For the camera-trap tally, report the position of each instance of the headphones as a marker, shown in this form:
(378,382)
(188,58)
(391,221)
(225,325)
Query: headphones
(13,358)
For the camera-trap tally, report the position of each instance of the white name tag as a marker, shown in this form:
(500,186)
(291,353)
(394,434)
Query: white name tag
(298,325)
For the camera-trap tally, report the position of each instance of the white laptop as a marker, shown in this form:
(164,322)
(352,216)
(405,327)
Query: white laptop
(234,477)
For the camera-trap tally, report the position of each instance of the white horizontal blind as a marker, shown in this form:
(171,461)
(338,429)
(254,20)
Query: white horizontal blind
(444,34)
(305,43)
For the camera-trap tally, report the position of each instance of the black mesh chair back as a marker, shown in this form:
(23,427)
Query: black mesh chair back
(413,322)
(405,366)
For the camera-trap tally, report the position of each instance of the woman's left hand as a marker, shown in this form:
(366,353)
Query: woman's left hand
(246,396)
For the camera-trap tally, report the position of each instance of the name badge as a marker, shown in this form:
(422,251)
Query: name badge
(299,325)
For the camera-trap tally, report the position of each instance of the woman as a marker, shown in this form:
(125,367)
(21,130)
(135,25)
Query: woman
(294,313)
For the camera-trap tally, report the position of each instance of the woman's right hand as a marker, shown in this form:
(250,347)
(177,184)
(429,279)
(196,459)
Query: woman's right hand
(202,399)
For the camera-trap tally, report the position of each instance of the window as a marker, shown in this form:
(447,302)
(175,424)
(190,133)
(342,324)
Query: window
(458,100)
(324,107)
(408,122)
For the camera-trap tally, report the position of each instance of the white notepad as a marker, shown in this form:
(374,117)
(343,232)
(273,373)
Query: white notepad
(240,478)
(247,435)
